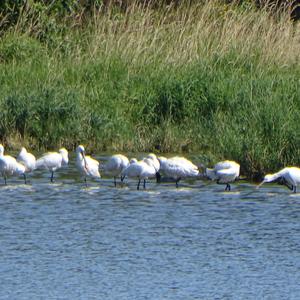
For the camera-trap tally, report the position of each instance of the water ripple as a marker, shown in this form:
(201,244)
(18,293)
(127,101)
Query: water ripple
(65,240)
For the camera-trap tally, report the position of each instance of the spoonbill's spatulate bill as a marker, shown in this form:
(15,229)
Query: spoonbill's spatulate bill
(224,172)
(115,165)
(86,165)
(53,161)
(289,177)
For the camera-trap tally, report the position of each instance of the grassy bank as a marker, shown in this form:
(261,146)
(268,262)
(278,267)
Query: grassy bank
(220,81)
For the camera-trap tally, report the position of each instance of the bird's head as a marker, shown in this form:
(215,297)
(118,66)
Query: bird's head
(133,161)
(23,150)
(267,178)
(80,149)
(152,156)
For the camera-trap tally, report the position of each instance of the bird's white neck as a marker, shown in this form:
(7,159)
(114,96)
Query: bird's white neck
(79,156)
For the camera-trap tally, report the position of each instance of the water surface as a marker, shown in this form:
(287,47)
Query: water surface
(66,241)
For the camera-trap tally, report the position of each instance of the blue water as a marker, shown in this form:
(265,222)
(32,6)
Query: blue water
(65,241)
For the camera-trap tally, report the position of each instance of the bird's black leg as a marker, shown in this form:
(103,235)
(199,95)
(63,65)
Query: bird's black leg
(115,181)
(85,181)
(295,189)
(122,178)
(24,175)
(158,177)
(144,183)
(138,186)
(52,177)
(177,182)
(228,187)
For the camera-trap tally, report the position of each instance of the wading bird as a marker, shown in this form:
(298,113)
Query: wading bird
(224,172)
(178,168)
(20,170)
(9,166)
(86,165)
(155,161)
(115,165)
(53,161)
(27,160)
(156,165)
(141,170)
(289,177)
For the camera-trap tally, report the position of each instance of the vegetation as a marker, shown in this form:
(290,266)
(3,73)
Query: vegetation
(221,81)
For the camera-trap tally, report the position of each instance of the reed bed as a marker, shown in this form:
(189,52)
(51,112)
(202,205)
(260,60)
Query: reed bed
(219,81)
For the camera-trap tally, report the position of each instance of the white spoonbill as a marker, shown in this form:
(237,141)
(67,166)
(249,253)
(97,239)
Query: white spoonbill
(155,161)
(9,166)
(20,170)
(289,176)
(177,168)
(86,165)
(141,170)
(53,161)
(115,165)
(156,165)
(27,160)
(224,172)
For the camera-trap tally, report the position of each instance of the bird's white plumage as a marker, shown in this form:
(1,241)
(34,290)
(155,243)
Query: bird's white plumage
(178,167)
(53,160)
(116,164)
(20,169)
(155,161)
(143,169)
(9,165)
(86,165)
(290,174)
(224,172)
(133,160)
(27,160)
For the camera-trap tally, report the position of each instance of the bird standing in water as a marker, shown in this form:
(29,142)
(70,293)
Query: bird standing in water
(141,170)
(86,165)
(289,176)
(9,166)
(53,161)
(177,168)
(115,165)
(27,160)
(224,172)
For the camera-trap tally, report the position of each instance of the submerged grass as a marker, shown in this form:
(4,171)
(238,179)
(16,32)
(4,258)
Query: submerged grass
(219,81)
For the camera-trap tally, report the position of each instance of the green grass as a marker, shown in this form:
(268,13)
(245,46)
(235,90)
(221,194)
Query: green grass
(221,82)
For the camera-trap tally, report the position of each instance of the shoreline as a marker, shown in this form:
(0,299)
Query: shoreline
(218,81)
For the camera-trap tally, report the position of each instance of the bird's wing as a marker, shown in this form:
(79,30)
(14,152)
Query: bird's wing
(49,160)
(92,167)
(211,174)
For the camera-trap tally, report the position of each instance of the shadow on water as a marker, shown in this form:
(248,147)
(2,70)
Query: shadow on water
(194,242)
